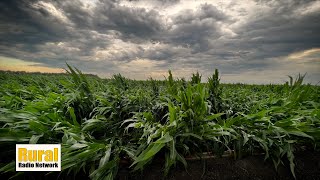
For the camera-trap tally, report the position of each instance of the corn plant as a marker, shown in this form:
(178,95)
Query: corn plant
(103,122)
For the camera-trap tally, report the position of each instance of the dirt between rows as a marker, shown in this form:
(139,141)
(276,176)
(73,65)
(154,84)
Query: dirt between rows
(226,168)
(247,168)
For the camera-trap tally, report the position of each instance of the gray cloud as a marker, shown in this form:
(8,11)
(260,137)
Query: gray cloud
(281,30)
(102,36)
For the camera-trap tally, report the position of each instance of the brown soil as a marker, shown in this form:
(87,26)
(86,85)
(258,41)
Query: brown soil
(248,168)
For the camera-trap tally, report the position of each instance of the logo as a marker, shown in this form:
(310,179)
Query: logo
(38,157)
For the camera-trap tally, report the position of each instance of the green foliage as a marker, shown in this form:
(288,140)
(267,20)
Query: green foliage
(155,87)
(120,81)
(196,78)
(102,122)
(215,92)
(172,85)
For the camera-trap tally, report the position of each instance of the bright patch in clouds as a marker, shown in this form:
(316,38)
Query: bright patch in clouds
(52,10)
(141,69)
(315,53)
(12,64)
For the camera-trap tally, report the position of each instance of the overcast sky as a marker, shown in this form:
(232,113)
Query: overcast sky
(248,41)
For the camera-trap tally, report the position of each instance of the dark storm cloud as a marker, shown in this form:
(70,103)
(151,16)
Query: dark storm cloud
(25,25)
(136,22)
(30,26)
(267,35)
(280,31)
(108,15)
(21,24)
(193,29)
(27,28)
(205,11)
(95,35)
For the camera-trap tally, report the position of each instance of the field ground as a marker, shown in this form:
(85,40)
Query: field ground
(247,168)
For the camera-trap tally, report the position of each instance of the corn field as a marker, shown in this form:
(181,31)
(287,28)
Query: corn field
(101,123)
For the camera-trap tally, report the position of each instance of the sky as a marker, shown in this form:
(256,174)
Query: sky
(248,41)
